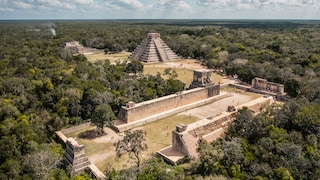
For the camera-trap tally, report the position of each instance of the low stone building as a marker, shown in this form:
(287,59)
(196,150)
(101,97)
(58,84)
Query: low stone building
(201,78)
(264,85)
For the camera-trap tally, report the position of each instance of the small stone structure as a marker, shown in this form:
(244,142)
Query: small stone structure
(264,85)
(73,46)
(201,78)
(185,138)
(153,49)
(75,156)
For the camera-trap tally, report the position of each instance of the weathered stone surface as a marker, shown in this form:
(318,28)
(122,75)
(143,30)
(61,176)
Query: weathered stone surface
(201,78)
(75,156)
(145,109)
(263,84)
(153,49)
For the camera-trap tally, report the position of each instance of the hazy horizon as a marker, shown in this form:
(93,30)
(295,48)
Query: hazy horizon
(161,9)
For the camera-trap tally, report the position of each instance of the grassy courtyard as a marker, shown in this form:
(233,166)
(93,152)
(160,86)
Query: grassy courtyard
(158,136)
(101,56)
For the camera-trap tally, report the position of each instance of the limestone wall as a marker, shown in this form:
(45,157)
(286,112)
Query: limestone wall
(159,105)
(184,142)
(263,84)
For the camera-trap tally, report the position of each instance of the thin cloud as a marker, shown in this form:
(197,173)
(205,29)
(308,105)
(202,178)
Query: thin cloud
(84,2)
(87,9)
(126,4)
(252,4)
(22,5)
(172,5)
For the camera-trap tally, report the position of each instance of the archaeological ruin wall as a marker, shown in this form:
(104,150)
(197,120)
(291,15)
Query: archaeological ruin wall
(185,138)
(201,78)
(133,112)
(263,84)
(75,156)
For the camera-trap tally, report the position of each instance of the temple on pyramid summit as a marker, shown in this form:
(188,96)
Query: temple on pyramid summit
(153,49)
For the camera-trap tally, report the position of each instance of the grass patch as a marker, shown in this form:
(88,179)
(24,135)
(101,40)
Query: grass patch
(101,56)
(184,75)
(216,78)
(117,163)
(158,136)
(92,147)
(159,132)
(235,90)
(76,133)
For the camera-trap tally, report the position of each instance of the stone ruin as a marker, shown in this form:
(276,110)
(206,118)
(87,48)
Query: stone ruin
(201,78)
(153,49)
(264,85)
(202,89)
(73,46)
(75,157)
(185,137)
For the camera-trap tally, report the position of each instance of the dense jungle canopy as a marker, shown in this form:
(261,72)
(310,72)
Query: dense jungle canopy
(44,88)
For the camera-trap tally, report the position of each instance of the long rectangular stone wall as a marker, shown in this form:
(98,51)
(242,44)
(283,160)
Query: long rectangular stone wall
(159,105)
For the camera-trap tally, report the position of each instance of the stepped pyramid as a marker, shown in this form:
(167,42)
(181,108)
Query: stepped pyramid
(75,156)
(153,49)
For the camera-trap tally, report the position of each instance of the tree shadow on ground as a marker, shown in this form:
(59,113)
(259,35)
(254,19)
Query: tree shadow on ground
(91,134)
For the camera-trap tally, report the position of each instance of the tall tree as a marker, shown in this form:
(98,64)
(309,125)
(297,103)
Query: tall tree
(133,143)
(102,115)
(44,161)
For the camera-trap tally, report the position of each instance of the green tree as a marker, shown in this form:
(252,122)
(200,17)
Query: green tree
(308,119)
(157,168)
(209,159)
(42,163)
(135,66)
(102,115)
(171,73)
(292,87)
(132,143)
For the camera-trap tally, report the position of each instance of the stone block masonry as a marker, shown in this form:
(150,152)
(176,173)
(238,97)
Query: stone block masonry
(133,112)
(153,49)
(185,138)
(186,141)
(75,156)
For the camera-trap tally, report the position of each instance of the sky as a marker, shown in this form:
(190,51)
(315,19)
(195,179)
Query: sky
(159,9)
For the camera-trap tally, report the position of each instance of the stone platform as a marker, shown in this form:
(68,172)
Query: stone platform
(121,126)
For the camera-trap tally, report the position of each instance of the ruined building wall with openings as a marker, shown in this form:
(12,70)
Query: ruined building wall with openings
(263,84)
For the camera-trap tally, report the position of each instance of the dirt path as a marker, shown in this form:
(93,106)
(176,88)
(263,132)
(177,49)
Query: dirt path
(111,137)
(181,64)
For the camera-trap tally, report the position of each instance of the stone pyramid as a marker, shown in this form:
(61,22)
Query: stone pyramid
(75,156)
(153,49)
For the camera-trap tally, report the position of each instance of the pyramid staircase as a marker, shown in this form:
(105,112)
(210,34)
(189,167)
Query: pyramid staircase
(153,49)
(75,156)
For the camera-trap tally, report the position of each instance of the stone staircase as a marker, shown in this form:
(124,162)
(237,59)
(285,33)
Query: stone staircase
(75,156)
(153,49)
(161,51)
